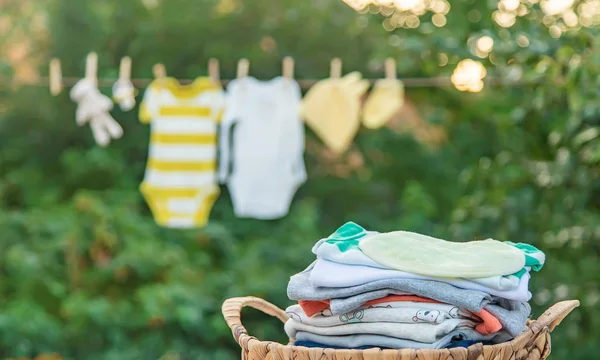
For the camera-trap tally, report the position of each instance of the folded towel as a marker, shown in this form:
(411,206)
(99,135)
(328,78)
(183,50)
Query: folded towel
(343,247)
(513,315)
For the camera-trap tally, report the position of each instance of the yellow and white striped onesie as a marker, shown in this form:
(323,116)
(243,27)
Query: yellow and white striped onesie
(180,183)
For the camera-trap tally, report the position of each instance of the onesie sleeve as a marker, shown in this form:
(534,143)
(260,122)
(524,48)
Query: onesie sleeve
(298,167)
(150,103)
(218,105)
(227,119)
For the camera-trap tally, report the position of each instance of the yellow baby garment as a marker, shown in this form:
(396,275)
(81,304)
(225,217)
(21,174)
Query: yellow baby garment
(386,98)
(332,109)
(180,183)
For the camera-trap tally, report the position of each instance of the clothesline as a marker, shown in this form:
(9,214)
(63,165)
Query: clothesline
(304,83)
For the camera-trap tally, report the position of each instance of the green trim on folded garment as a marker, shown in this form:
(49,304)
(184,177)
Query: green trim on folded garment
(519,273)
(534,257)
(347,236)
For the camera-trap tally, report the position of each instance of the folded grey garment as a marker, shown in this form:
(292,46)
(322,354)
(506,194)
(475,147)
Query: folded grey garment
(354,341)
(427,333)
(511,314)
(344,305)
(300,288)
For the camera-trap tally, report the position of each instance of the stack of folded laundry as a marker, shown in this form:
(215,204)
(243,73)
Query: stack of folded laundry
(406,290)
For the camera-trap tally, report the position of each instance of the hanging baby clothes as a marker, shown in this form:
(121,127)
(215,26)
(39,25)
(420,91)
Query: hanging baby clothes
(332,108)
(267,164)
(94,108)
(180,184)
(386,98)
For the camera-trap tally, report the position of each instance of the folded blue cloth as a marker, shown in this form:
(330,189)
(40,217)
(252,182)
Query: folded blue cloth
(467,343)
(463,343)
(310,344)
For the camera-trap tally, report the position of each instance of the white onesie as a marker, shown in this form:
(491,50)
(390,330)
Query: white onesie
(267,146)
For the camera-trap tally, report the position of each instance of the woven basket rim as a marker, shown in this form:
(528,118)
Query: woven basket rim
(541,327)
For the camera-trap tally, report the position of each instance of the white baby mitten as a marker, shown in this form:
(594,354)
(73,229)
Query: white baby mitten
(124,94)
(93,108)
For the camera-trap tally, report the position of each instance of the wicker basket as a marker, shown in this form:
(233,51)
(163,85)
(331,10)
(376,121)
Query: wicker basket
(533,344)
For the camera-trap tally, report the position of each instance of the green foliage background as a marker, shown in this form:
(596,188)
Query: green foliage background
(86,273)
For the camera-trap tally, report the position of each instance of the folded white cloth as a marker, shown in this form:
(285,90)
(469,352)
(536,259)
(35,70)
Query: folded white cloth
(354,341)
(421,332)
(327,273)
(409,312)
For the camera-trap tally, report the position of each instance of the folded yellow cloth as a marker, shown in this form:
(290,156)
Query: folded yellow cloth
(386,98)
(331,108)
(426,255)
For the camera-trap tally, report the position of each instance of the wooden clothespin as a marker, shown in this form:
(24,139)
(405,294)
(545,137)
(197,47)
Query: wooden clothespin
(213,70)
(159,71)
(55,77)
(91,67)
(390,69)
(125,69)
(335,71)
(288,68)
(123,90)
(242,68)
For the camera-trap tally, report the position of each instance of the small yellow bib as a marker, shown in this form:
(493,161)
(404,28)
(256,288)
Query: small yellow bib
(384,101)
(332,109)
